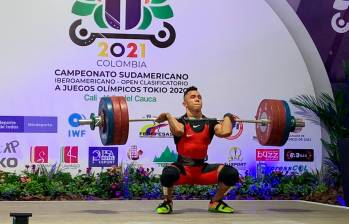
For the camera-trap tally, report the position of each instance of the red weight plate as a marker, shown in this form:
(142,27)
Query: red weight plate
(124,120)
(272,133)
(117,134)
(279,117)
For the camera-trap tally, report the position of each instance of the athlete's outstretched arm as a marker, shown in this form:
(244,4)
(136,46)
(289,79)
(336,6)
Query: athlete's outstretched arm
(177,128)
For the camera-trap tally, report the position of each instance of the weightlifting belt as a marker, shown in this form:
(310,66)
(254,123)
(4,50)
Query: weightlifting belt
(186,161)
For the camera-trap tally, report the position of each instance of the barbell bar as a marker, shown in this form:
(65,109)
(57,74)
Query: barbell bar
(273,121)
(96,120)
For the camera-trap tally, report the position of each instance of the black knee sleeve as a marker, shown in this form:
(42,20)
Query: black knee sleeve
(169,176)
(228,175)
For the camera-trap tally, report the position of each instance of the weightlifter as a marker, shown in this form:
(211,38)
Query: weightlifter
(192,137)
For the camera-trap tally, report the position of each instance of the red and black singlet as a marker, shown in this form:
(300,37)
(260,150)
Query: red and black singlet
(193,144)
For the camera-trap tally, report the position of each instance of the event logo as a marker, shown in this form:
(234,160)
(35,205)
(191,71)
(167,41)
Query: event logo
(267,154)
(235,154)
(235,159)
(154,131)
(237,130)
(134,152)
(73,121)
(339,23)
(6,152)
(166,157)
(39,154)
(299,155)
(123,19)
(70,154)
(263,168)
(103,156)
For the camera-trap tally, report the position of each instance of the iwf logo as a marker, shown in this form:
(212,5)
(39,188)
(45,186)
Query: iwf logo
(73,121)
(117,18)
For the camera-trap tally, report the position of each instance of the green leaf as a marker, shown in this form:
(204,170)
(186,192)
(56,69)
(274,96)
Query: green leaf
(147,18)
(83,8)
(98,16)
(157,1)
(162,12)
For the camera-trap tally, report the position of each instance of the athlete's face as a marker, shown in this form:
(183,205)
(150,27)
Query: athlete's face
(193,101)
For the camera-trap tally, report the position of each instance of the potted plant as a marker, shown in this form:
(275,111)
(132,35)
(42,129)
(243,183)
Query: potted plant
(334,115)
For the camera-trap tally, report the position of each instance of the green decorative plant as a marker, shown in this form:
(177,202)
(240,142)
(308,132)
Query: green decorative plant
(334,114)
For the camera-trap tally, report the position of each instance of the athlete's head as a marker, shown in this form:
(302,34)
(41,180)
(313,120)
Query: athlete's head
(192,99)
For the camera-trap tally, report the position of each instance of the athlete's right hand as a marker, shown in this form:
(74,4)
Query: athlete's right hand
(162,117)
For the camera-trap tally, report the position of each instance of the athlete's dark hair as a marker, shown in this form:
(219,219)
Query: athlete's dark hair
(191,88)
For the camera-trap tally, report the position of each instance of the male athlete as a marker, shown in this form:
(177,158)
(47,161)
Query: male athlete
(192,135)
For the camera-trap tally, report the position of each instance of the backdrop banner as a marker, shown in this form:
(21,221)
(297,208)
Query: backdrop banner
(60,57)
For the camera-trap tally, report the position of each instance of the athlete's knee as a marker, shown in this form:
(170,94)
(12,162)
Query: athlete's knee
(169,176)
(228,175)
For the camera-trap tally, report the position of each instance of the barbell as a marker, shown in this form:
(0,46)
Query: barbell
(273,120)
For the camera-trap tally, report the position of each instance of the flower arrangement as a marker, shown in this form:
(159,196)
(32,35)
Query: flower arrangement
(137,182)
